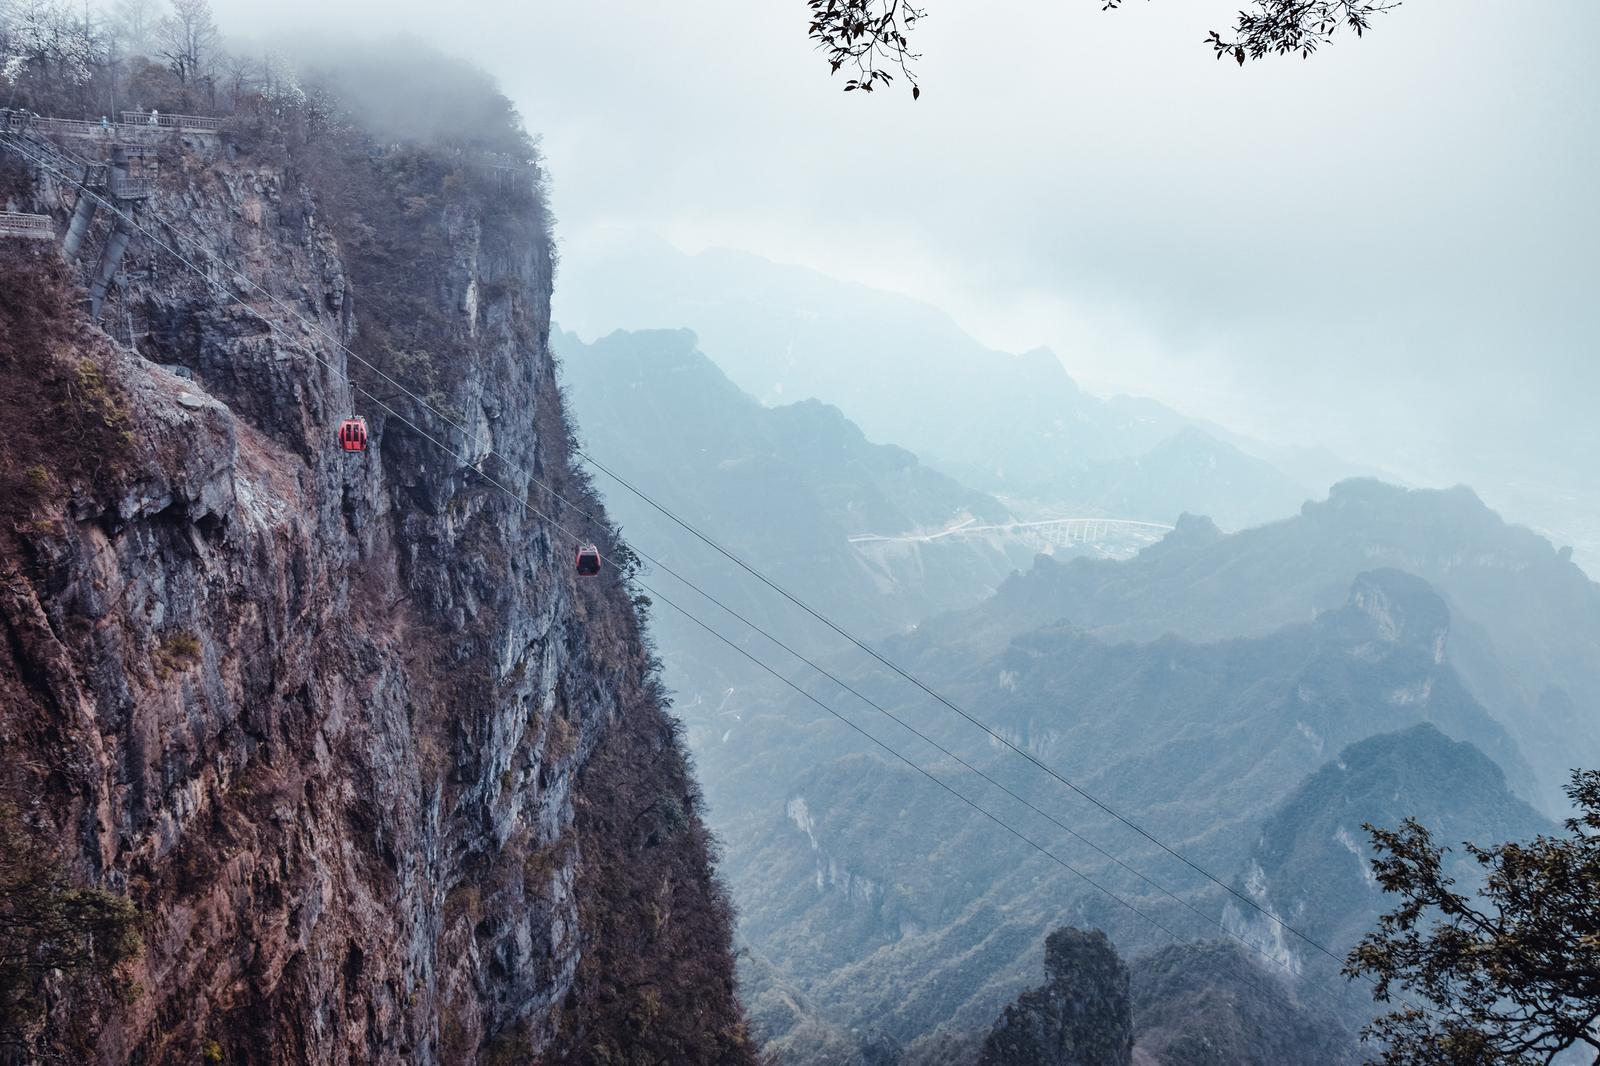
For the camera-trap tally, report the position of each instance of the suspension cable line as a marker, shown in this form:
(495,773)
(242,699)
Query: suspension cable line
(985,727)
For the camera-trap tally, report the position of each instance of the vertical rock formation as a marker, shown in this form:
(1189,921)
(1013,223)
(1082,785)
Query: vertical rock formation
(386,780)
(1081,1016)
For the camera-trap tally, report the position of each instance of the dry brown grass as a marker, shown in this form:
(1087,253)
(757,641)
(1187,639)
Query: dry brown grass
(67,427)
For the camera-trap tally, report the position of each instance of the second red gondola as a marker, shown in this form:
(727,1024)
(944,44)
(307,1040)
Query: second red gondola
(353,434)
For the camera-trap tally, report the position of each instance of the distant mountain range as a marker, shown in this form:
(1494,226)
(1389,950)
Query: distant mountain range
(1014,425)
(1251,698)
(889,903)
(783,485)
(879,914)
(1525,620)
(1260,753)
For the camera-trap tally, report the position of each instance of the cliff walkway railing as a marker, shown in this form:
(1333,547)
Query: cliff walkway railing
(34,227)
(128,188)
(103,177)
(135,128)
(162,120)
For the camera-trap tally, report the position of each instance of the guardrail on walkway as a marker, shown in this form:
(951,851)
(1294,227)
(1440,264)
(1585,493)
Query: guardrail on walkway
(158,119)
(142,132)
(18,224)
(129,188)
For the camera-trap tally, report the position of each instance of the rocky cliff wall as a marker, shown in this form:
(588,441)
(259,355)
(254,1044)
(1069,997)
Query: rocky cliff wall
(386,780)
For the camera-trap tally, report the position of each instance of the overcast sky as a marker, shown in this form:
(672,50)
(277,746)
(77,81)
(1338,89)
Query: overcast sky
(1390,248)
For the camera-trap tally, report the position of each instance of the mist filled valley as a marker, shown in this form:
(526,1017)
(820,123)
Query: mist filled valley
(532,536)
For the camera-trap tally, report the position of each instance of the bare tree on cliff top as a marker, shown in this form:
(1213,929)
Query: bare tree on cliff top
(1513,976)
(188,39)
(134,22)
(870,40)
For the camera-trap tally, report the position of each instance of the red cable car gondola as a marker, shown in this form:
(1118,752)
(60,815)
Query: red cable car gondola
(588,560)
(353,434)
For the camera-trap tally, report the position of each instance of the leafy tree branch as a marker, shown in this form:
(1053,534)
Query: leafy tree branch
(870,40)
(1510,976)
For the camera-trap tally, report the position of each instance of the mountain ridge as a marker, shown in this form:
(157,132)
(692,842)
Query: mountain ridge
(904,370)
(1525,619)
(1195,742)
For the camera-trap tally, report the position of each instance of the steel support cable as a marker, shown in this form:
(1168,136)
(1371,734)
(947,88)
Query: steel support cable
(979,723)
(473,437)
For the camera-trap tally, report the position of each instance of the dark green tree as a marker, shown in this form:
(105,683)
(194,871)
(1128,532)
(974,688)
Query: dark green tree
(870,40)
(51,929)
(1508,976)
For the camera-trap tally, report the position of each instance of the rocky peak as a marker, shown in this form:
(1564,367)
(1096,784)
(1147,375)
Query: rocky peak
(1193,530)
(1402,609)
(1081,1016)
(1312,858)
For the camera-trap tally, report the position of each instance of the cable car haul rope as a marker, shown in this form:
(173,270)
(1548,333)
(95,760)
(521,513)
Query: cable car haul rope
(352,436)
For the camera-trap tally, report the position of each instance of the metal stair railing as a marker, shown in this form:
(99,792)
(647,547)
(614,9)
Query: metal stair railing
(26,226)
(129,188)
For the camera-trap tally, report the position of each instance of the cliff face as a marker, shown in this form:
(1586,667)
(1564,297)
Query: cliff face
(386,780)
(1312,862)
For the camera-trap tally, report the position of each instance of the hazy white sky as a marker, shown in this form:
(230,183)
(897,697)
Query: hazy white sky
(1390,248)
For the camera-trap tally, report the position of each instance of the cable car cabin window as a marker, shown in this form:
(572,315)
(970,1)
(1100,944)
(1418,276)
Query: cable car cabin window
(588,560)
(353,435)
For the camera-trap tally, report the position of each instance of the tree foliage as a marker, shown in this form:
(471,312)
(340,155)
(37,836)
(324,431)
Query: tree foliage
(46,39)
(1509,977)
(49,928)
(65,59)
(870,39)
(1295,27)
(865,38)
